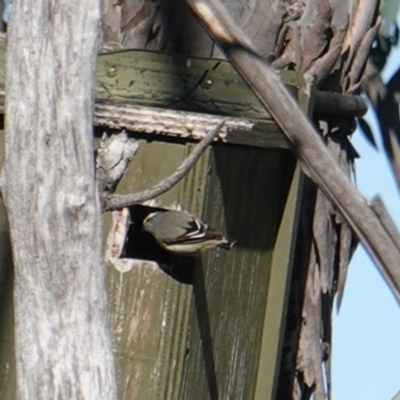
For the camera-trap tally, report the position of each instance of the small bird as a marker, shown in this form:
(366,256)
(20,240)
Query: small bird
(180,232)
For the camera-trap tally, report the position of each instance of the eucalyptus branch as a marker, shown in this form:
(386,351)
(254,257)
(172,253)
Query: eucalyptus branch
(116,201)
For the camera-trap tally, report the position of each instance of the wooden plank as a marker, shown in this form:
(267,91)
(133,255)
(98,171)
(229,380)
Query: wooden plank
(275,315)
(188,125)
(175,82)
(245,198)
(191,93)
(149,309)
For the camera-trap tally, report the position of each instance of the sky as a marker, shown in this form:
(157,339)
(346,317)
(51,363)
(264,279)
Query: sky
(366,331)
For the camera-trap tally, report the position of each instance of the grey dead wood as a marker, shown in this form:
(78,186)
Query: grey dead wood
(63,345)
(112,160)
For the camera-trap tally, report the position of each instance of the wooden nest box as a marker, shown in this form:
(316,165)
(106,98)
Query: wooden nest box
(210,327)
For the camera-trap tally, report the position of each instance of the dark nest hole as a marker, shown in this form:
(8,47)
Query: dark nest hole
(142,246)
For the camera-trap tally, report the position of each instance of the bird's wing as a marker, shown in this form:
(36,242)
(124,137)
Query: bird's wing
(197,231)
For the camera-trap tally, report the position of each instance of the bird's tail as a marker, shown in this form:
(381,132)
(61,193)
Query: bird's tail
(227,245)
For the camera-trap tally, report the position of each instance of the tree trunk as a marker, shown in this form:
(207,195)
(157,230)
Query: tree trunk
(63,346)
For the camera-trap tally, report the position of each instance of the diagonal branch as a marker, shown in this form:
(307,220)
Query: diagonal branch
(315,159)
(116,201)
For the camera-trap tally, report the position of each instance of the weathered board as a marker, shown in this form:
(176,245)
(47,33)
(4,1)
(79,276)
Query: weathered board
(148,308)
(220,337)
(246,195)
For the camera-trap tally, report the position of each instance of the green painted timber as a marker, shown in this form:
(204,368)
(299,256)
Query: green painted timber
(149,309)
(246,195)
(281,270)
(201,85)
(177,82)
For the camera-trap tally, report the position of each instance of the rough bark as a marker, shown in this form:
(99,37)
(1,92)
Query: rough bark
(63,347)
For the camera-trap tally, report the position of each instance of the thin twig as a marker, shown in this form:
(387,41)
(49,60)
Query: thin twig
(116,201)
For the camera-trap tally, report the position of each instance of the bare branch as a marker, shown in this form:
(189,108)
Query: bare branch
(315,159)
(114,202)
